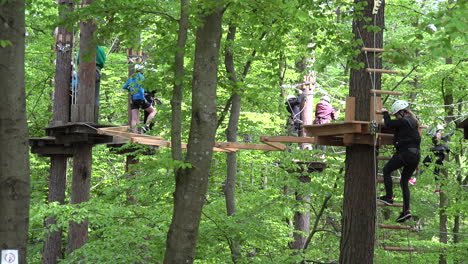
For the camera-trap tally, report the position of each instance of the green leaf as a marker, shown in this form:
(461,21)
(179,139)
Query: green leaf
(5,43)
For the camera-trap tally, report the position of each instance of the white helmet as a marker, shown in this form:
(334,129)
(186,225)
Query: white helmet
(291,96)
(325,98)
(399,105)
(139,67)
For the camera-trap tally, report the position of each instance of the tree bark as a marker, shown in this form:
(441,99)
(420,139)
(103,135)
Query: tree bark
(78,231)
(179,74)
(359,203)
(61,112)
(83,111)
(192,183)
(14,154)
(57,184)
(231,136)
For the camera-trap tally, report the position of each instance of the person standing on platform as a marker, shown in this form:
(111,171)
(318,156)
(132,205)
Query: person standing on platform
(293,105)
(440,151)
(138,100)
(407,141)
(324,113)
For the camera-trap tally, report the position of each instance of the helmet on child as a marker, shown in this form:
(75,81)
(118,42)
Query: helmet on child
(291,96)
(399,105)
(325,98)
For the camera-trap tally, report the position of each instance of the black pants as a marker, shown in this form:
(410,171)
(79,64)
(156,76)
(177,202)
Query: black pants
(409,161)
(439,162)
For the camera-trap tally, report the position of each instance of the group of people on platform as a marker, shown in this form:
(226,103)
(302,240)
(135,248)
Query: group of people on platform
(406,140)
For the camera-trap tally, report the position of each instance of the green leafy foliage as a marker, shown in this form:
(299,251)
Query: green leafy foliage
(129,212)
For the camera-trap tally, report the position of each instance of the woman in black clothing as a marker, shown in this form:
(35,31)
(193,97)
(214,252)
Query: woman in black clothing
(407,142)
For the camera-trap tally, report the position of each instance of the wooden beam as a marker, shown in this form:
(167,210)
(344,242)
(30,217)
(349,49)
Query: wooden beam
(372,91)
(277,145)
(381,204)
(381,71)
(329,141)
(376,50)
(394,226)
(287,139)
(375,103)
(119,128)
(238,145)
(383,158)
(399,249)
(334,129)
(382,140)
(350,111)
(149,141)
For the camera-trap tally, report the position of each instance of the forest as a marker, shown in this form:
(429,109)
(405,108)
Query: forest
(203,185)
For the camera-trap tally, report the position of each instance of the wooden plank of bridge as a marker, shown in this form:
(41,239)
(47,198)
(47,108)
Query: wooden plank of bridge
(238,145)
(399,249)
(287,139)
(381,71)
(372,91)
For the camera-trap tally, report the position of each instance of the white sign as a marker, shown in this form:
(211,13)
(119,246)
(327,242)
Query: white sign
(10,256)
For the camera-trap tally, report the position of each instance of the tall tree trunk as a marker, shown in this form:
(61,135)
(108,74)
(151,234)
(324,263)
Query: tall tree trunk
(302,215)
(61,111)
(359,203)
(192,183)
(83,111)
(179,75)
(14,153)
(447,93)
(78,231)
(231,135)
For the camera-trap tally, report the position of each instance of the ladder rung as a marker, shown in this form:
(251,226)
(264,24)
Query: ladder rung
(381,71)
(393,205)
(399,249)
(372,91)
(395,226)
(383,158)
(376,50)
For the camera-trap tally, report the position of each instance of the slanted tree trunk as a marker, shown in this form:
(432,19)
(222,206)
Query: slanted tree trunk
(14,153)
(359,203)
(83,111)
(61,111)
(192,183)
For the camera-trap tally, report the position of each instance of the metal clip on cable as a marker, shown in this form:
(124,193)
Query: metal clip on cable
(373,128)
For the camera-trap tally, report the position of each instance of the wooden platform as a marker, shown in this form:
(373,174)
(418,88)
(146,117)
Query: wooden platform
(346,133)
(79,132)
(61,138)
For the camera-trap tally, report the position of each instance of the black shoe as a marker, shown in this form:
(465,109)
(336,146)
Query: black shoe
(385,200)
(145,129)
(404,216)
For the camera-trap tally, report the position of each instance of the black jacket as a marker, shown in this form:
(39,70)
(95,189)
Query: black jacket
(406,132)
